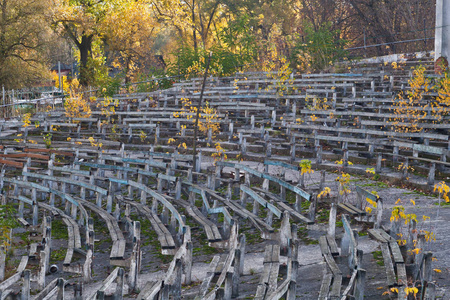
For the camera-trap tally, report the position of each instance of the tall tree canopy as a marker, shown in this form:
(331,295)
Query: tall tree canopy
(24,33)
(125,34)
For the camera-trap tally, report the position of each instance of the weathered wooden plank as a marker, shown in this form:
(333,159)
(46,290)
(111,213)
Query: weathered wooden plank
(332,264)
(80,183)
(21,155)
(63,153)
(161,199)
(294,214)
(396,253)
(10,281)
(325,286)
(350,284)
(323,245)
(376,235)
(148,289)
(295,189)
(273,277)
(281,164)
(165,238)
(335,291)
(401,274)
(347,209)
(209,277)
(11,163)
(211,230)
(109,280)
(357,210)
(388,264)
(333,246)
(42,188)
(118,240)
(386,236)
(259,199)
(23,264)
(48,290)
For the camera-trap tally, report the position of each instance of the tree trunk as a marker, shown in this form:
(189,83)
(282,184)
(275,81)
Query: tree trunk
(194,33)
(127,70)
(85,48)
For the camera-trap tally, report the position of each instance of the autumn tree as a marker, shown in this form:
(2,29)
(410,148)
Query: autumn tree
(392,20)
(192,19)
(129,31)
(23,38)
(80,21)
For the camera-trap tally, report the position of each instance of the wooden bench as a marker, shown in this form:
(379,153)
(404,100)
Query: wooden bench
(269,277)
(392,257)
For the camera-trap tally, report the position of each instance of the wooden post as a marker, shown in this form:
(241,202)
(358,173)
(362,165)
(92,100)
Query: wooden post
(118,295)
(87,267)
(379,213)
(332,221)
(188,263)
(431,174)
(379,161)
(35,211)
(285,233)
(42,269)
(319,155)
(360,284)
(236,273)
(60,285)
(2,263)
(78,291)
(228,286)
(135,259)
(25,294)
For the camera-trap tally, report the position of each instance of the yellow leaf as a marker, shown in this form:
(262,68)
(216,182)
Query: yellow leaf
(437,270)
(412,201)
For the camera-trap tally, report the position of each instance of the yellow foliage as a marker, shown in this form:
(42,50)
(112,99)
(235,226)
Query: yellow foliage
(220,153)
(344,180)
(208,117)
(142,136)
(93,143)
(370,170)
(66,85)
(26,120)
(411,110)
(373,203)
(409,290)
(107,105)
(326,192)
(415,251)
(305,167)
(443,190)
(76,107)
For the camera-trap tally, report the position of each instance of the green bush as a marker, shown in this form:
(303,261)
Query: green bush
(191,63)
(319,48)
